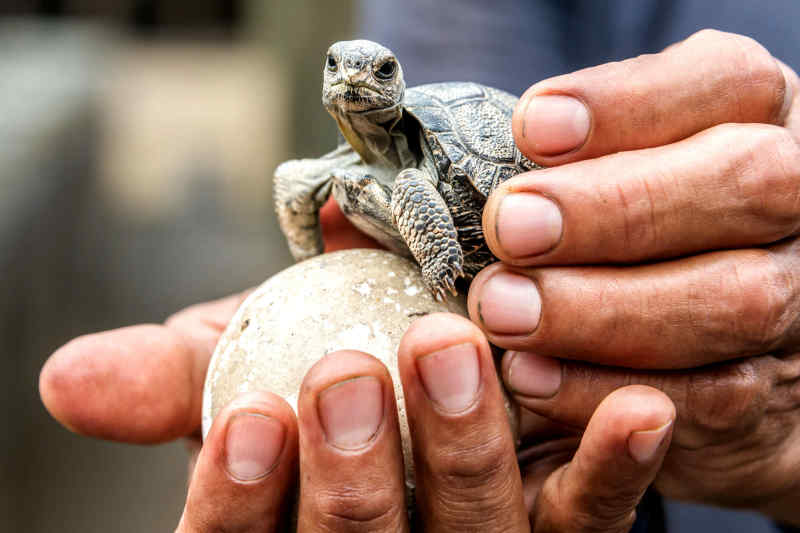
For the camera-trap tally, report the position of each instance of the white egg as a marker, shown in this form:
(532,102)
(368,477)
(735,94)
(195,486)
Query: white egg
(355,299)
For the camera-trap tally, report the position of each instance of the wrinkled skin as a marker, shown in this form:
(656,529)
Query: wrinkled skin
(694,201)
(358,79)
(411,172)
(715,331)
(111,385)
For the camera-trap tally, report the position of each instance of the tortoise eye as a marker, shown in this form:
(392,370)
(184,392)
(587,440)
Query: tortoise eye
(331,63)
(387,70)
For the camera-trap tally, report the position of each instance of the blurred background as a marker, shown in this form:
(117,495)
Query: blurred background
(137,144)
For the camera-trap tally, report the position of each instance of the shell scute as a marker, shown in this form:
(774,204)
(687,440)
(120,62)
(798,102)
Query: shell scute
(468,126)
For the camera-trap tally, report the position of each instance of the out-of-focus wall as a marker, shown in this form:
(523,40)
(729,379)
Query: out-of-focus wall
(137,143)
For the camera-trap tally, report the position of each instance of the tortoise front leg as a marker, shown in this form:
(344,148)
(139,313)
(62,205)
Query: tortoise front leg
(367,204)
(424,221)
(301,187)
(362,193)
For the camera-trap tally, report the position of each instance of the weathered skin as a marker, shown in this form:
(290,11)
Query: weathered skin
(413,170)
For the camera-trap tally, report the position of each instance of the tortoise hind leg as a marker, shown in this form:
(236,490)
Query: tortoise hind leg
(425,223)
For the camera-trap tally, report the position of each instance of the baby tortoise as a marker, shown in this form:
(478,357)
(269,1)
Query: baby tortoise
(413,168)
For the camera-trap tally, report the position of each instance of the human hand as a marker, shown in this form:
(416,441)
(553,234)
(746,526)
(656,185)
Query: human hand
(111,385)
(143,384)
(676,176)
(346,438)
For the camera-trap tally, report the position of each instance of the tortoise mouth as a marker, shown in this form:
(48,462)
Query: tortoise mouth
(355,98)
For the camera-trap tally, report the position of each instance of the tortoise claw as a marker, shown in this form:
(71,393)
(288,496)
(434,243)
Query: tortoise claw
(439,295)
(443,282)
(451,285)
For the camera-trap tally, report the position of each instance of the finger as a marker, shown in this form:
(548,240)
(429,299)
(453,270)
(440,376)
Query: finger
(245,470)
(735,410)
(338,233)
(710,78)
(464,454)
(792,100)
(712,401)
(680,314)
(539,461)
(140,384)
(351,463)
(619,456)
(731,186)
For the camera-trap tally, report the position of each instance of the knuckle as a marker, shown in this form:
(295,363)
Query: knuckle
(359,508)
(490,513)
(475,466)
(473,483)
(607,510)
(767,175)
(740,46)
(477,509)
(752,301)
(766,304)
(589,522)
(724,39)
(708,35)
(584,512)
(179,318)
(743,48)
(759,77)
(728,399)
(781,183)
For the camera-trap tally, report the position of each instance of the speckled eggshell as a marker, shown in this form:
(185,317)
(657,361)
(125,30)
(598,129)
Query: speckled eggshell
(354,299)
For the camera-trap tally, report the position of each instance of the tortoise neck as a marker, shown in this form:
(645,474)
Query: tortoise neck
(370,134)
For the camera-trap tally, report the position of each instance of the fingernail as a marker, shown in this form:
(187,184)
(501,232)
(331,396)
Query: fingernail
(253,445)
(528,224)
(509,304)
(534,375)
(351,412)
(643,445)
(451,376)
(555,124)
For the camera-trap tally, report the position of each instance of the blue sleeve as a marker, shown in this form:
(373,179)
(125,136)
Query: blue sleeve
(510,44)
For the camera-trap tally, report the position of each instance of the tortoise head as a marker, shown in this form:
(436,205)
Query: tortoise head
(361,76)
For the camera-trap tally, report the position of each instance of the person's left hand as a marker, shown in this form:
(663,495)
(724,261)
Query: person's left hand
(143,384)
(664,238)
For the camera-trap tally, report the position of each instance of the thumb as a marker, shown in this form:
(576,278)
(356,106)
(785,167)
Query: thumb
(618,458)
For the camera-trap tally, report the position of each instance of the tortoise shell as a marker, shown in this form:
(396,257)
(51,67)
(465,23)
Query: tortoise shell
(468,129)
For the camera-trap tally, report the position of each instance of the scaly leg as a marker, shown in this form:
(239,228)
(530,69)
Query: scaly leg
(426,225)
(300,189)
(367,204)
(357,192)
